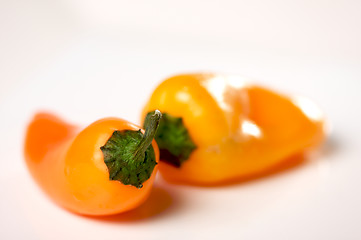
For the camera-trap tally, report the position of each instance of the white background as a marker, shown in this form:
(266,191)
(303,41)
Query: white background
(85,60)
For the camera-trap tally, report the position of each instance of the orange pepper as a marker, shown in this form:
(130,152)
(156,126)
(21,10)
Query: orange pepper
(107,168)
(216,129)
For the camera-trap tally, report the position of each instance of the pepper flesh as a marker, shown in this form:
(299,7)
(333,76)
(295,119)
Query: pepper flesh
(240,131)
(69,166)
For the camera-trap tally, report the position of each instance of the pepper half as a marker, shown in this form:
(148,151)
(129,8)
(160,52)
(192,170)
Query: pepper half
(217,129)
(106,168)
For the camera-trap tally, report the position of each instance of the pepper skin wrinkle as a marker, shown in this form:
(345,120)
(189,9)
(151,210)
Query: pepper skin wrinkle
(69,166)
(239,130)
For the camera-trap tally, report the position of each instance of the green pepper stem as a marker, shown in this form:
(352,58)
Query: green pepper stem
(151,124)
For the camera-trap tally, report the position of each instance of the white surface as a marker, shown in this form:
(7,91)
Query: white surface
(89,59)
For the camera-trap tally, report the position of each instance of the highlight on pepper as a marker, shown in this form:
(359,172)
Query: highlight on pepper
(107,168)
(220,129)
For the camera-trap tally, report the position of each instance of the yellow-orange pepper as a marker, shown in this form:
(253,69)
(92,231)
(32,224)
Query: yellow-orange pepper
(217,129)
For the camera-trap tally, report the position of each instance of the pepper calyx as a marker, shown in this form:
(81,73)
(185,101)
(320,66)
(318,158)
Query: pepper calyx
(174,141)
(129,155)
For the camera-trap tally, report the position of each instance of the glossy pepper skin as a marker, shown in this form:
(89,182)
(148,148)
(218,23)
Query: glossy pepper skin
(238,130)
(69,166)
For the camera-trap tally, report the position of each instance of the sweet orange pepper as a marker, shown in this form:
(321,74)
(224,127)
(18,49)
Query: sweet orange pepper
(106,168)
(217,129)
